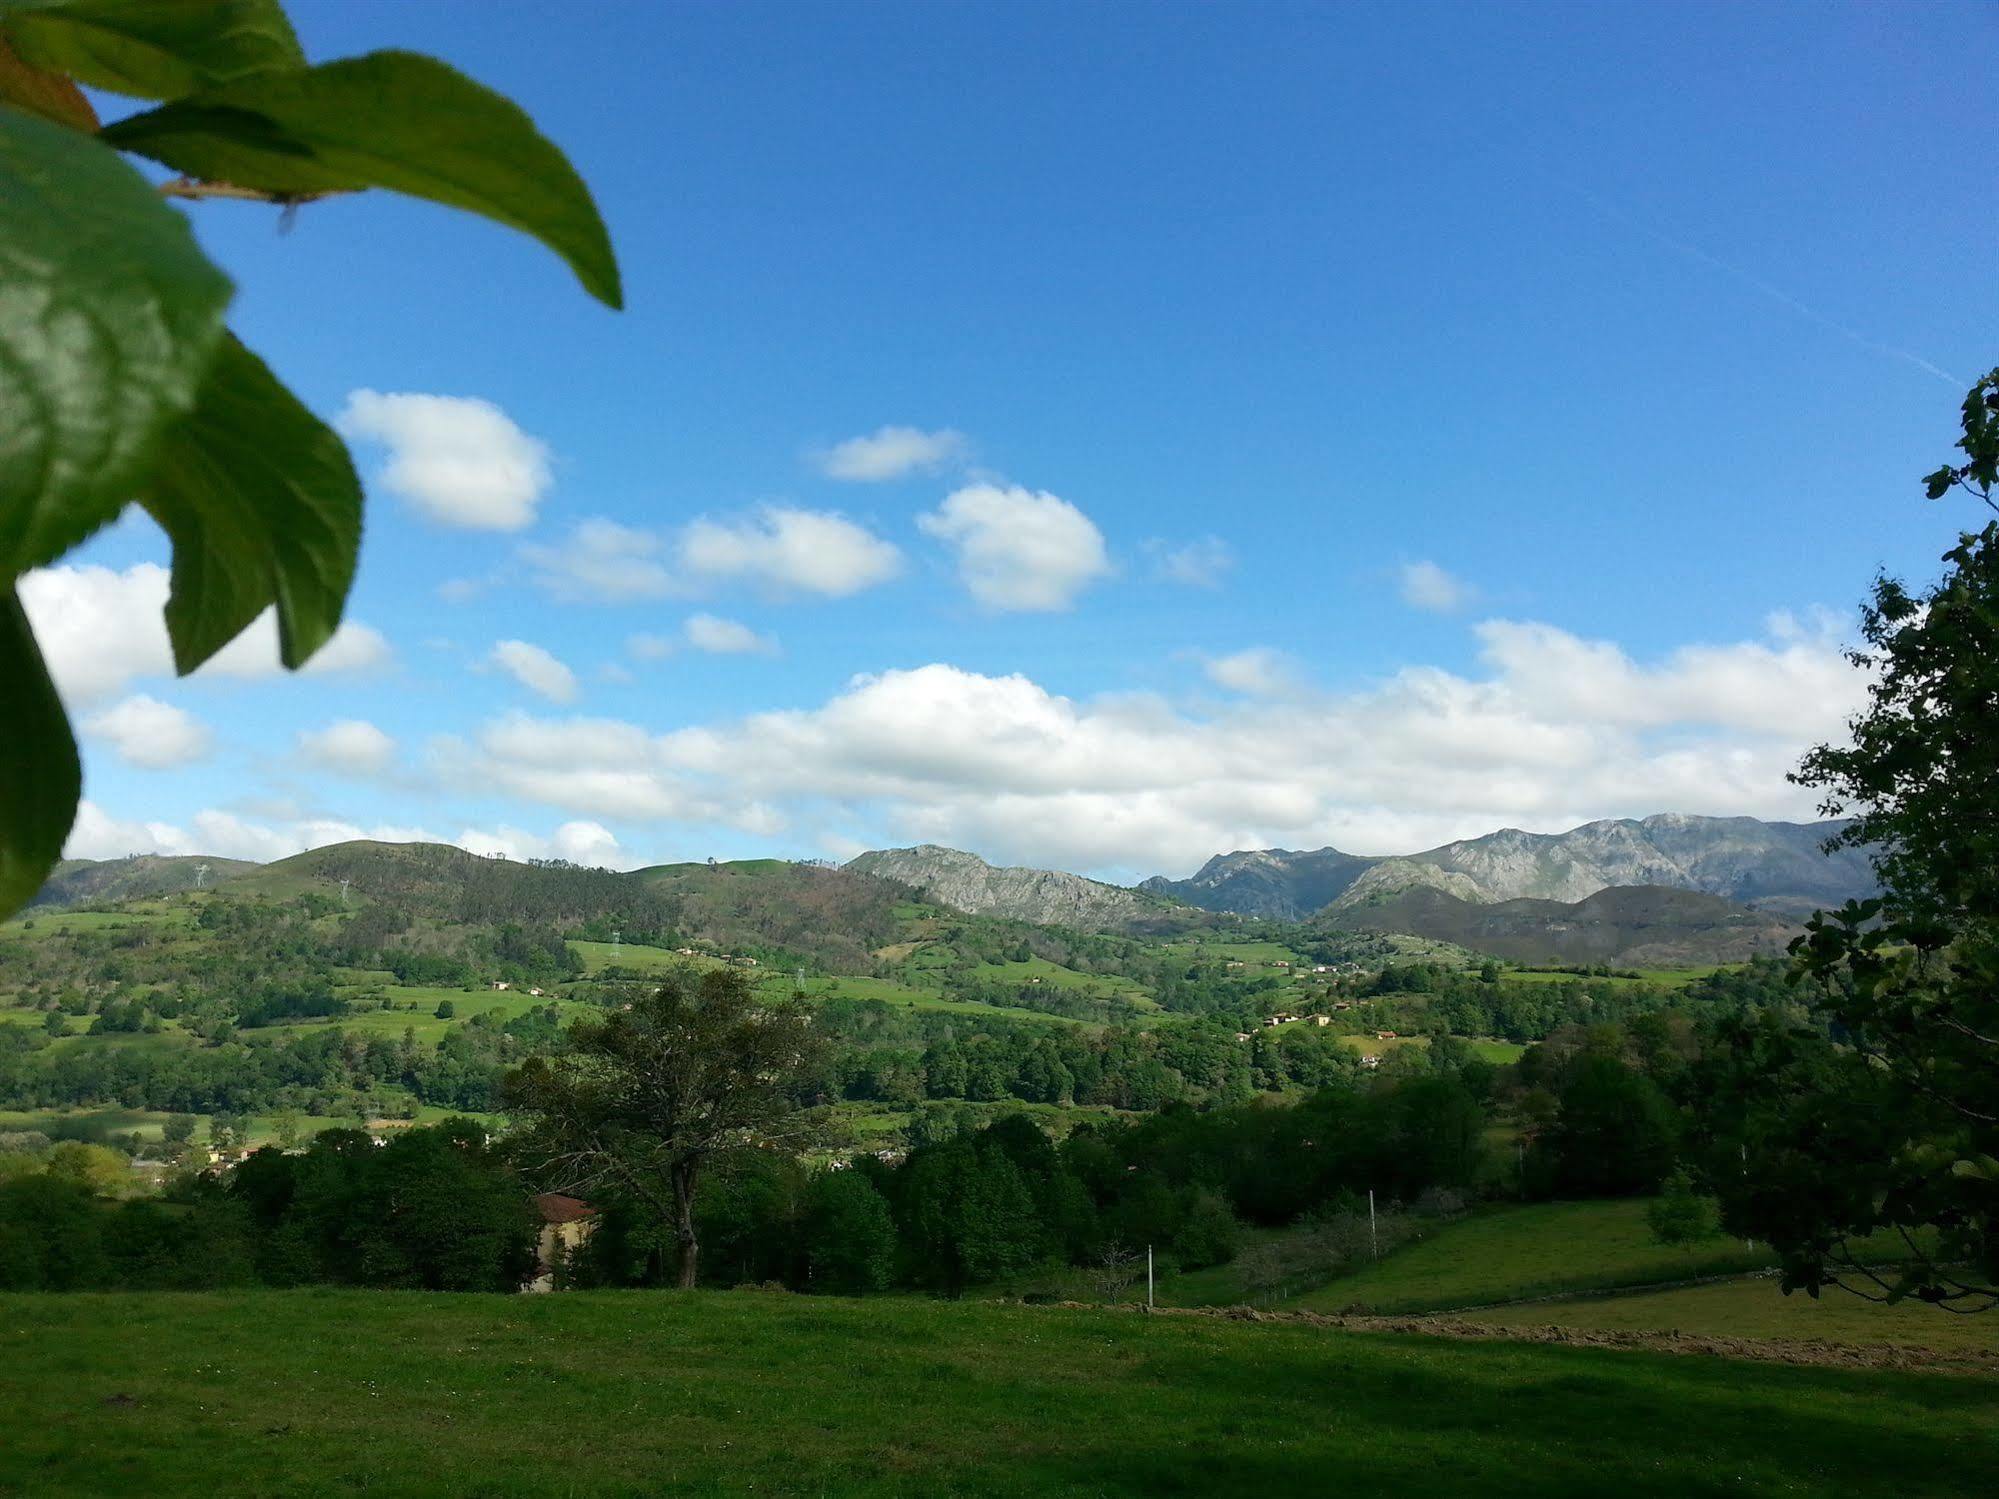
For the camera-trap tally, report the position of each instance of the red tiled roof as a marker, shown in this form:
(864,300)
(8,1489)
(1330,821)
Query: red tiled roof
(557,1208)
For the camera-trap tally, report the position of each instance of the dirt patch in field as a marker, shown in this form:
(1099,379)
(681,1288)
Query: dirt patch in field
(1817,1352)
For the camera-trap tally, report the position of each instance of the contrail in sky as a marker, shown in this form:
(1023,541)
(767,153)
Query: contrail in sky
(1612,211)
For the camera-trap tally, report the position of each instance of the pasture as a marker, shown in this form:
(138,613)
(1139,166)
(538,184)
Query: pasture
(1756,1308)
(593,1395)
(1531,1249)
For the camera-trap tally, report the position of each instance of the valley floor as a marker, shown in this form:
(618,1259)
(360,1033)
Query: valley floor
(310,1393)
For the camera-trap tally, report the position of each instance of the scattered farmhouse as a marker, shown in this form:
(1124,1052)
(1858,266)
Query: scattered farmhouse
(502,984)
(566,1223)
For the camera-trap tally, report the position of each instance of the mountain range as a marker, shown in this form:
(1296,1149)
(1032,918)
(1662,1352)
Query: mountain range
(1778,867)
(1648,891)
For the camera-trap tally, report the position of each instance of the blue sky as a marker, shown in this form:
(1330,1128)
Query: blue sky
(1369,425)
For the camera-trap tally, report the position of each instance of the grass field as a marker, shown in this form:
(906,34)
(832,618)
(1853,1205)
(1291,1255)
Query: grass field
(1532,1249)
(1758,1309)
(1671,978)
(587,1396)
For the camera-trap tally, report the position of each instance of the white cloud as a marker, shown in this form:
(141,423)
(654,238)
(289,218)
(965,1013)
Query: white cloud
(648,647)
(460,590)
(461,462)
(1552,731)
(786,550)
(1427,586)
(536,669)
(1201,563)
(892,452)
(602,562)
(1256,672)
(726,637)
(1019,549)
(350,746)
(578,842)
(150,734)
(102,629)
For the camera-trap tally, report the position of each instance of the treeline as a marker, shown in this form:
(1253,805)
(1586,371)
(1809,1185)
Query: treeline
(325,1072)
(434,1209)
(982,1206)
(900,1056)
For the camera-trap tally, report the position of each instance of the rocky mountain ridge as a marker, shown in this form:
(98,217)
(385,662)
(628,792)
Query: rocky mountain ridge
(1779,867)
(965,882)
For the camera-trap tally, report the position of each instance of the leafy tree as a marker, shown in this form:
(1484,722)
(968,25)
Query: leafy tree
(118,378)
(643,1100)
(1613,1133)
(1680,1215)
(850,1234)
(1909,982)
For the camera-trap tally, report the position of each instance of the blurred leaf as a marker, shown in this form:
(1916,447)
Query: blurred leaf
(263,506)
(40,779)
(39,92)
(389,119)
(109,314)
(153,49)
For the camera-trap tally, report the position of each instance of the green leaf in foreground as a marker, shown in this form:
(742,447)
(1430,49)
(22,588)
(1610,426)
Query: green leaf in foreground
(39,776)
(153,49)
(40,92)
(390,119)
(263,506)
(109,313)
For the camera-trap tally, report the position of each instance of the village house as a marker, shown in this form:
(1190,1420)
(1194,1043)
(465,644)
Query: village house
(501,984)
(1384,1035)
(566,1223)
(1244,1036)
(1279,1019)
(1370,1062)
(1320,1019)
(535,992)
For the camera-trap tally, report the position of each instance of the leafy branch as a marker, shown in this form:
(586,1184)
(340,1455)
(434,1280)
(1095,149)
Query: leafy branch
(118,379)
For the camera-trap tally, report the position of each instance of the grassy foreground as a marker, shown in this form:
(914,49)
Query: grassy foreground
(309,1393)
(1758,1309)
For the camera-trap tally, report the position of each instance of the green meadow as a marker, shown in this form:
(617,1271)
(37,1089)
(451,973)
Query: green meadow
(284,1395)
(1529,1249)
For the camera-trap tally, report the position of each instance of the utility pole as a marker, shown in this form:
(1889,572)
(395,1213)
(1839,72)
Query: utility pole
(617,936)
(1373,1233)
(1148,1277)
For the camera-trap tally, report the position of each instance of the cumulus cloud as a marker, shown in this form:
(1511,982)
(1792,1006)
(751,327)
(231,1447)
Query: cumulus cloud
(461,462)
(1257,672)
(1427,586)
(102,629)
(1552,730)
(891,453)
(350,746)
(777,549)
(535,669)
(726,637)
(786,550)
(1202,563)
(579,842)
(645,646)
(602,562)
(145,732)
(1019,549)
